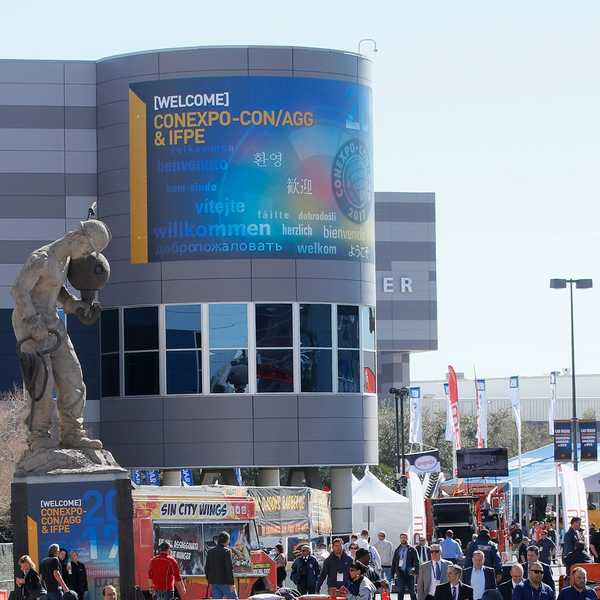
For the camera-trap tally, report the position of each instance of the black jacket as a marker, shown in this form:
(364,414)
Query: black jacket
(78,579)
(489,549)
(489,576)
(32,588)
(411,566)
(506,589)
(219,566)
(444,592)
(333,565)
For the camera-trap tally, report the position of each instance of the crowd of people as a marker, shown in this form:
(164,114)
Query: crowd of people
(61,576)
(443,570)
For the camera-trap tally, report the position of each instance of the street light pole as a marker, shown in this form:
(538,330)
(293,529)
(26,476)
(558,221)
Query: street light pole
(400,394)
(573,392)
(579,284)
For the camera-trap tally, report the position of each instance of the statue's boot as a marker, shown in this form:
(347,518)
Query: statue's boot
(79,440)
(41,442)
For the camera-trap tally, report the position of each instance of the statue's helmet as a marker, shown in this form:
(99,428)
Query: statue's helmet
(97,233)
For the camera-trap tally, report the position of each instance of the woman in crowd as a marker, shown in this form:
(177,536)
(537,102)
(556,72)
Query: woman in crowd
(78,581)
(65,565)
(359,587)
(281,563)
(352,548)
(30,582)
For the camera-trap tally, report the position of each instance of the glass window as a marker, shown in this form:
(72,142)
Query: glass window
(368,327)
(348,371)
(347,326)
(315,325)
(110,375)
(141,328)
(228,326)
(141,373)
(229,371)
(183,326)
(184,372)
(273,325)
(274,370)
(370,370)
(109,330)
(315,370)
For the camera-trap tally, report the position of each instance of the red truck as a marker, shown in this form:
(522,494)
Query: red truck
(190,520)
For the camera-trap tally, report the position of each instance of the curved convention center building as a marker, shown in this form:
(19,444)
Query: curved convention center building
(238,325)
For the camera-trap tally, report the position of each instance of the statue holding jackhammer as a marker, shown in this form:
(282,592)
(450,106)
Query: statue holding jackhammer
(48,359)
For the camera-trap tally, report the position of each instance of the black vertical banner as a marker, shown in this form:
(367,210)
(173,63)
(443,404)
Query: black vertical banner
(563,448)
(588,436)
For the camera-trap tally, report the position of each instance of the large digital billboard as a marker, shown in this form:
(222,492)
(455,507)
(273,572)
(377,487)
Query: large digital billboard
(250,167)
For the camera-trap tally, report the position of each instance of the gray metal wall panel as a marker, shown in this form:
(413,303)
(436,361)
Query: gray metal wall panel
(81,184)
(17,251)
(118,249)
(82,140)
(80,117)
(325,61)
(406,310)
(195,431)
(369,406)
(119,225)
(32,94)
(133,292)
(430,344)
(110,159)
(133,432)
(388,231)
(80,95)
(222,290)
(350,452)
(31,229)
(80,162)
(128,66)
(209,269)
(80,72)
(326,269)
(116,90)
(274,289)
(140,455)
(338,429)
(23,207)
(113,136)
(114,181)
(266,267)
(275,430)
(337,290)
(31,161)
(31,139)
(412,251)
(370,429)
(31,71)
(135,408)
(6,300)
(276,453)
(275,407)
(201,59)
(123,271)
(113,113)
(270,58)
(330,406)
(209,454)
(219,406)
(114,204)
(405,212)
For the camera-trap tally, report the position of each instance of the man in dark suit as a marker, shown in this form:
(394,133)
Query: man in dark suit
(533,586)
(516,576)
(454,589)
(479,577)
(405,567)
(533,554)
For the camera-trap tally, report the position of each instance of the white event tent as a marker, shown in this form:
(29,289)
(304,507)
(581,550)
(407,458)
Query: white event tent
(375,507)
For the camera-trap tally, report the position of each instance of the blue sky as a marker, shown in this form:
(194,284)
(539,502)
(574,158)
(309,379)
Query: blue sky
(492,105)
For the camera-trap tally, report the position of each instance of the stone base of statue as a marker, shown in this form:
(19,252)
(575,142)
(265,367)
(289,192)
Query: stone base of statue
(89,511)
(57,461)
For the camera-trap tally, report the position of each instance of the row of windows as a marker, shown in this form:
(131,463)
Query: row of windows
(237,349)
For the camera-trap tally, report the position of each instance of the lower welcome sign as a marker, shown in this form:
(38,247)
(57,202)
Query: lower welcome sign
(90,515)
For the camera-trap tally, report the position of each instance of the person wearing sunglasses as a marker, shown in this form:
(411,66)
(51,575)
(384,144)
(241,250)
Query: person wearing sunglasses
(533,588)
(431,574)
(533,555)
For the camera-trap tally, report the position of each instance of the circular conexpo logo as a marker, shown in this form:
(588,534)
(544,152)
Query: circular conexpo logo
(351,180)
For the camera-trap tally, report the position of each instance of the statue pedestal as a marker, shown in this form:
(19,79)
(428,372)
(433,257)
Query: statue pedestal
(87,512)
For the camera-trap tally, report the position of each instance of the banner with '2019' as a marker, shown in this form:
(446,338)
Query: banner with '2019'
(250,167)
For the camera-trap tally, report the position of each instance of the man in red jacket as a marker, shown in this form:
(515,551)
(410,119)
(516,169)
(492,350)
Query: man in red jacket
(164,575)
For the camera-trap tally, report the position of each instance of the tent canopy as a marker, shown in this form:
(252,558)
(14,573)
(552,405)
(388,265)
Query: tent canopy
(538,473)
(377,508)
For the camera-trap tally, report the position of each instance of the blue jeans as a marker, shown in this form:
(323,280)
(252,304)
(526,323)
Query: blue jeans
(166,595)
(405,584)
(387,573)
(222,590)
(54,595)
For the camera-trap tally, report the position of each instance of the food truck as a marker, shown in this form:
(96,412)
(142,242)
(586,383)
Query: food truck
(190,519)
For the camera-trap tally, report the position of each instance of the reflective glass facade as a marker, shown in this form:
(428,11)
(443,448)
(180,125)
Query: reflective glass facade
(238,348)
